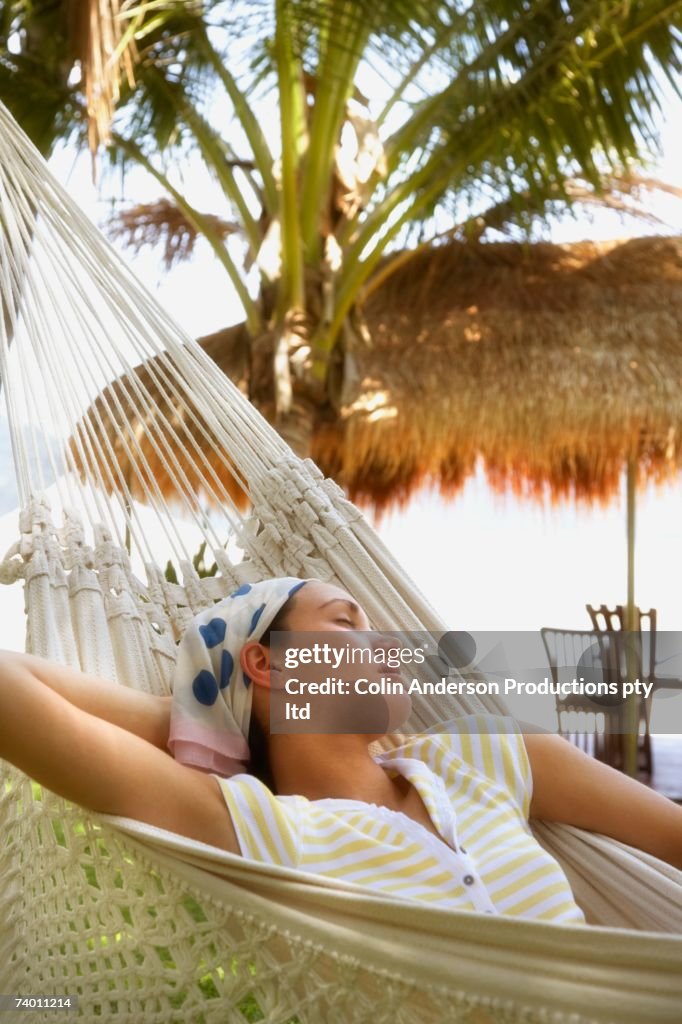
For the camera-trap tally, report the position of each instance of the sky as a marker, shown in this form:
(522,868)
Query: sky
(485,561)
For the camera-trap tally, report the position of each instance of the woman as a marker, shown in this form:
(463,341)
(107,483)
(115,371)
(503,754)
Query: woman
(440,818)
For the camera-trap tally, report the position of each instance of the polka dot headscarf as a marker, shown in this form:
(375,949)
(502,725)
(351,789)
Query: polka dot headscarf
(212,695)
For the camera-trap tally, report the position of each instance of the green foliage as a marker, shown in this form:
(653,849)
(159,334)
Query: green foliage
(199,563)
(35,69)
(483,116)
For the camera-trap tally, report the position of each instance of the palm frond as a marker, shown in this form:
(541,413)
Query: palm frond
(628,196)
(551,97)
(164,223)
(47,109)
(496,114)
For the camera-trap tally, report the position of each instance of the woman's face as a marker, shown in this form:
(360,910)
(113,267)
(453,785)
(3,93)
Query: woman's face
(324,608)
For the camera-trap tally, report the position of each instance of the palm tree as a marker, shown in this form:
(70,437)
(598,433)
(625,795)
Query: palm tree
(493,115)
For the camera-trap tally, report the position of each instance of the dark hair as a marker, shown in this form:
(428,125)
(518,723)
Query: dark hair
(259,762)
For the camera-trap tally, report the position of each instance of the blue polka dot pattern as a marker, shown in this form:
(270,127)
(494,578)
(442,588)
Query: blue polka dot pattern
(256,616)
(205,688)
(212,695)
(226,669)
(213,632)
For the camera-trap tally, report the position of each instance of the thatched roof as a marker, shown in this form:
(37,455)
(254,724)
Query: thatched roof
(553,363)
(556,364)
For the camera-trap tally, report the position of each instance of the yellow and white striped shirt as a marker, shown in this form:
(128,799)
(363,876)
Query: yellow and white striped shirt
(476,784)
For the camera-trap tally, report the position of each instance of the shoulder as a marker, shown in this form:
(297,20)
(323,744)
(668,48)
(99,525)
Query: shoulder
(267,826)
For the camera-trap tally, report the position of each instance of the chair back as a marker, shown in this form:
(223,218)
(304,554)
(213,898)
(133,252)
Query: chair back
(591,723)
(576,651)
(609,620)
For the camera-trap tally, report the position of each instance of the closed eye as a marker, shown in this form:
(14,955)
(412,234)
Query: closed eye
(347,622)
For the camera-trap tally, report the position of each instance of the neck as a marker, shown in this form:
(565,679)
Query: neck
(336,766)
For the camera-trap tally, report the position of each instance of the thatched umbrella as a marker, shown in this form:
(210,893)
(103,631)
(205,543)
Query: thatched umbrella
(559,365)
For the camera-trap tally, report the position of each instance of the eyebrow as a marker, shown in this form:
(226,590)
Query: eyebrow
(343,600)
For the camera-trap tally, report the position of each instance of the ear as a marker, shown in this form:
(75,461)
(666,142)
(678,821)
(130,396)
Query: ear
(254,659)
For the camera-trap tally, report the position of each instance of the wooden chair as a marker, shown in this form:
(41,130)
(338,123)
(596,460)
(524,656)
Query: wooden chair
(594,724)
(610,620)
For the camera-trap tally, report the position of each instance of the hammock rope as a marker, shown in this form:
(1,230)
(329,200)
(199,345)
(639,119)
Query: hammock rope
(145,925)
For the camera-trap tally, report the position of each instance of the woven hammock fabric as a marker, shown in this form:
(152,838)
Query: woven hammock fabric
(195,921)
(146,926)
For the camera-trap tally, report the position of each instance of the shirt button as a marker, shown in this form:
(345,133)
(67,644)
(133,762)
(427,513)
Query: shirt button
(468,879)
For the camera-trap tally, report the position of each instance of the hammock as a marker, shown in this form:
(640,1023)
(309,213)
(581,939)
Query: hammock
(144,925)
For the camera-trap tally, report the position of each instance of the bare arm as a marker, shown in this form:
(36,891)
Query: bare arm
(573,788)
(101,766)
(143,714)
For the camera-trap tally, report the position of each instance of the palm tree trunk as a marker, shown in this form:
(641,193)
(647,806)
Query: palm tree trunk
(633,647)
(297,426)
(250,364)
